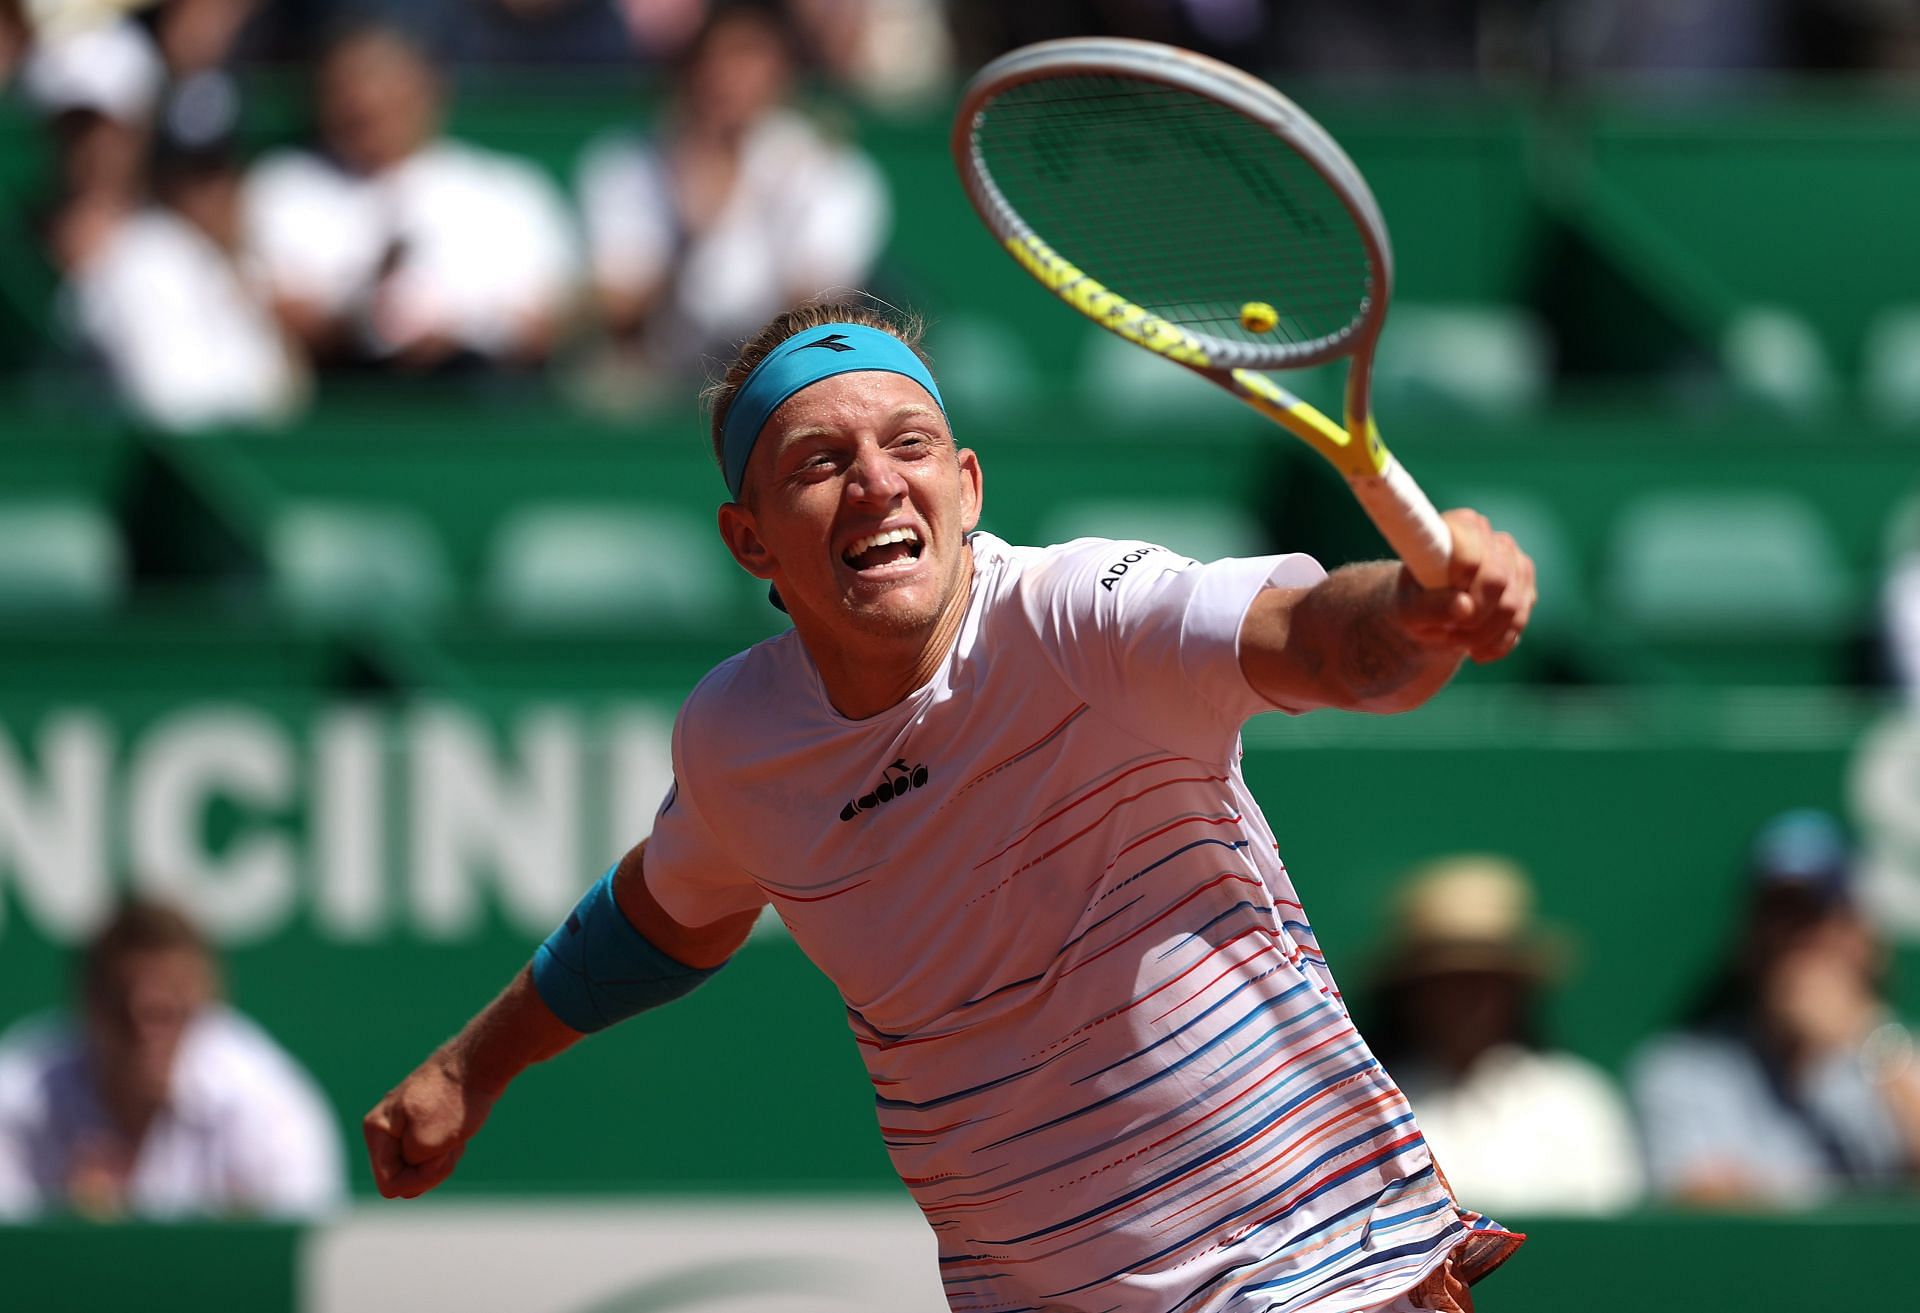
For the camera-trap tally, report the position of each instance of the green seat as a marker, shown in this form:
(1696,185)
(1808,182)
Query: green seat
(1775,358)
(1744,562)
(986,374)
(1900,536)
(1743,587)
(343,563)
(1119,382)
(565,565)
(59,556)
(1890,374)
(1483,359)
(1206,531)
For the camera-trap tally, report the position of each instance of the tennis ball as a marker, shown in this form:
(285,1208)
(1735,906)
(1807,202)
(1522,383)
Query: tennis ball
(1259,317)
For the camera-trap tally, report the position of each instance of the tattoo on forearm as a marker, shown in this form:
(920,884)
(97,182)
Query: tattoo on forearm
(1377,658)
(1373,655)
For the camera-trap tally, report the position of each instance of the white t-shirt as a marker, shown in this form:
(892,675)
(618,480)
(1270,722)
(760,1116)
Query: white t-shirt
(1108,1057)
(805,214)
(1530,1132)
(185,330)
(247,1133)
(481,241)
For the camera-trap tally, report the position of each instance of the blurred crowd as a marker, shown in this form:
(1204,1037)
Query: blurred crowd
(214,285)
(1787,1082)
(214,288)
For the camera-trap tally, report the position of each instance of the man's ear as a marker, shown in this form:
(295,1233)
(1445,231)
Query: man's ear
(741,534)
(975,487)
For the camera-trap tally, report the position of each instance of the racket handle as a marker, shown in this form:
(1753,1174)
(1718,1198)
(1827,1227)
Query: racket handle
(1406,518)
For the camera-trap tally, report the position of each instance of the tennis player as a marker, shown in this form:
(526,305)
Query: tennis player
(994,793)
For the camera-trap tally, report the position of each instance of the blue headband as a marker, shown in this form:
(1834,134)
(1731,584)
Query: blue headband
(801,361)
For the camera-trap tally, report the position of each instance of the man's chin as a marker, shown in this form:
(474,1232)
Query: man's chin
(892,611)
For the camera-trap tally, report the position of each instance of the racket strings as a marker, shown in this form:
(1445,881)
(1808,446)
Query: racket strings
(1203,283)
(1058,133)
(1178,203)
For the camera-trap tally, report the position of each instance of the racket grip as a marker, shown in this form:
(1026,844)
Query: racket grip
(1408,521)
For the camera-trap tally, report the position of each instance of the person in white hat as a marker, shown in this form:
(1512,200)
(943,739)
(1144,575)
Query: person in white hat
(98,88)
(1516,1125)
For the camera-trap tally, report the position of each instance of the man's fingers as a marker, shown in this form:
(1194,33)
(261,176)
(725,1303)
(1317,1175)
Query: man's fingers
(1470,533)
(411,1149)
(1487,653)
(1488,611)
(1507,613)
(413,1181)
(403,1167)
(426,1138)
(383,1144)
(383,1150)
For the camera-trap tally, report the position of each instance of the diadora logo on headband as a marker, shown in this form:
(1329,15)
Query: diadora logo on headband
(832,342)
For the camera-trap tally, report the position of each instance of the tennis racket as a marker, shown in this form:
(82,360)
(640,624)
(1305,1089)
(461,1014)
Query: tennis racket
(1199,213)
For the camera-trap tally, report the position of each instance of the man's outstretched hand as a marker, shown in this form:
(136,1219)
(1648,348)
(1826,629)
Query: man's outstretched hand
(415,1135)
(1487,600)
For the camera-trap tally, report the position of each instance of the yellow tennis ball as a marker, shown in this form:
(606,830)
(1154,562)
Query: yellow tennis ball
(1259,317)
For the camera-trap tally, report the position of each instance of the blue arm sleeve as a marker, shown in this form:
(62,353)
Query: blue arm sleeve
(597,969)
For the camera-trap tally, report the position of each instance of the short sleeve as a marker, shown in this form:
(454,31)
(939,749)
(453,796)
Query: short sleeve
(687,869)
(1151,639)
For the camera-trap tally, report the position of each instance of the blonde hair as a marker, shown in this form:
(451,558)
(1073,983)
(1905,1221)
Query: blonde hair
(828,308)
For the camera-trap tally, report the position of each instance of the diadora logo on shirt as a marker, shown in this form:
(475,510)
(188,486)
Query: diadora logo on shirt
(899,778)
(1114,572)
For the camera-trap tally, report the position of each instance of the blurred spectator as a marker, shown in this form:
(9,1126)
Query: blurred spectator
(524,32)
(14,35)
(1871,35)
(1792,1078)
(163,1103)
(396,246)
(1658,36)
(663,29)
(1737,36)
(738,207)
(1230,29)
(887,51)
(98,87)
(197,40)
(199,36)
(1513,1124)
(185,326)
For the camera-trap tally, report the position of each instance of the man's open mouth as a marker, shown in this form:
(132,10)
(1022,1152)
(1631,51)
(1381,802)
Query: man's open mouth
(885,548)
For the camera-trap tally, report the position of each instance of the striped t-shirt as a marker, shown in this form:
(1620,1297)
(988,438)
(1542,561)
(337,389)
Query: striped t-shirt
(1108,1057)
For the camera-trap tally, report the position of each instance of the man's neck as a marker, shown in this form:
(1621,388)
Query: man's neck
(871,675)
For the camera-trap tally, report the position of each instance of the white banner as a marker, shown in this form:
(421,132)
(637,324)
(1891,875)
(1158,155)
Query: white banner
(812,1254)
